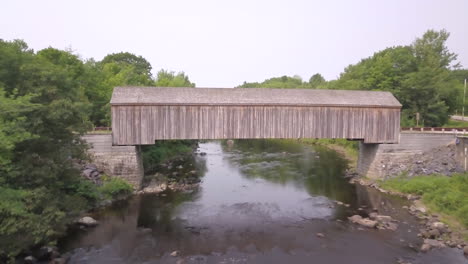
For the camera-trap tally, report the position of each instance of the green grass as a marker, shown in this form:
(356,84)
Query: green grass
(457,123)
(442,194)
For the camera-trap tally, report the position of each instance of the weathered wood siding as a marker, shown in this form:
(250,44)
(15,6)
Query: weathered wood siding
(143,124)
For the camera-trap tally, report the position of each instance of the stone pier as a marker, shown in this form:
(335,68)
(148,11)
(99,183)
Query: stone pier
(116,161)
(374,159)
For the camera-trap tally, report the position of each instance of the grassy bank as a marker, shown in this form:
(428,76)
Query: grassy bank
(457,123)
(444,195)
(349,149)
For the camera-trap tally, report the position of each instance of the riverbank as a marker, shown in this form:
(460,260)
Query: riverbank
(438,229)
(438,200)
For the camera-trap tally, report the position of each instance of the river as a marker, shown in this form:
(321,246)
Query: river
(260,201)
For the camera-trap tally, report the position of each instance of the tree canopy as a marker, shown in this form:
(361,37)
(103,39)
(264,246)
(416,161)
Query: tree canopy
(424,76)
(48,99)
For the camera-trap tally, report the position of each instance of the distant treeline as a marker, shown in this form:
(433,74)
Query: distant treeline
(424,76)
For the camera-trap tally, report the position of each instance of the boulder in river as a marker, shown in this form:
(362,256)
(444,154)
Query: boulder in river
(425,247)
(465,250)
(434,243)
(357,219)
(87,221)
(30,260)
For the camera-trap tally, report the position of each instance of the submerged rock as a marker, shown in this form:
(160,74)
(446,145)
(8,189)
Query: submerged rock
(87,221)
(357,219)
(30,260)
(434,243)
(320,235)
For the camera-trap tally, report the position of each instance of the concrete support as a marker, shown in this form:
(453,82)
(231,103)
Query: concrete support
(116,161)
(367,161)
(462,152)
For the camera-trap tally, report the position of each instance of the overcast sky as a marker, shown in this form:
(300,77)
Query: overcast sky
(224,43)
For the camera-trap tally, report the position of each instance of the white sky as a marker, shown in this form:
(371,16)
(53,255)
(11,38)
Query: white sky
(224,43)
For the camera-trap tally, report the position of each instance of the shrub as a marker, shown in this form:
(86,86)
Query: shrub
(28,218)
(114,187)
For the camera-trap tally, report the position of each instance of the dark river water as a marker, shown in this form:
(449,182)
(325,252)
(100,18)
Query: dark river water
(260,201)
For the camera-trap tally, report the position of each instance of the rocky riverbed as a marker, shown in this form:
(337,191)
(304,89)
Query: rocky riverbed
(440,160)
(434,233)
(178,174)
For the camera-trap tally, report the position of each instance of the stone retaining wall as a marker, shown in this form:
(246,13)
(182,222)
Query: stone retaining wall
(116,161)
(376,159)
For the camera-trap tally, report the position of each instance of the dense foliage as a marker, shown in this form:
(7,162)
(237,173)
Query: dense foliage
(48,99)
(424,77)
(441,193)
(316,81)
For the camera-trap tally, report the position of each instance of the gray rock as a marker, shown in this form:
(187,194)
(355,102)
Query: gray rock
(391,226)
(320,235)
(30,260)
(434,233)
(425,247)
(438,225)
(357,219)
(434,243)
(87,172)
(91,166)
(465,250)
(58,261)
(87,221)
(380,218)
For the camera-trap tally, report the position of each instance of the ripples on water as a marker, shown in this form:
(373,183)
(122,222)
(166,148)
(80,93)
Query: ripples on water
(260,201)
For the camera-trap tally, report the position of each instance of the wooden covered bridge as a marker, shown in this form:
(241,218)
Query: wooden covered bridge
(142,115)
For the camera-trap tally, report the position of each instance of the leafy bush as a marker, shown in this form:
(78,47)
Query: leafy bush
(114,187)
(87,190)
(30,217)
(441,193)
(164,150)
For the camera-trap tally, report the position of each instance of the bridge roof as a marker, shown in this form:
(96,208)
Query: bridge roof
(251,96)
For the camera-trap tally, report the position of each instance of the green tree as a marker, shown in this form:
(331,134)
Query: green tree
(316,81)
(278,82)
(140,65)
(42,113)
(419,76)
(171,79)
(118,69)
